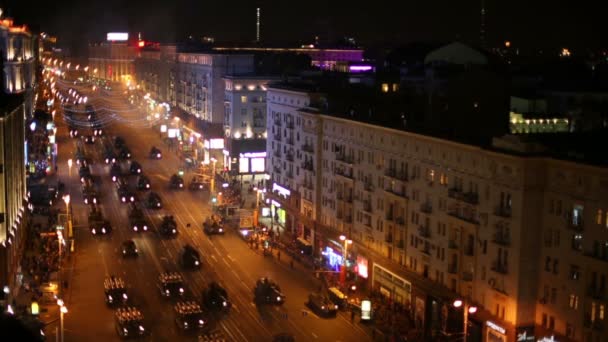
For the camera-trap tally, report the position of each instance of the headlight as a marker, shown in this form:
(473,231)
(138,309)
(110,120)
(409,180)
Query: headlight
(138,170)
(201,322)
(132,198)
(147,186)
(110,299)
(181,290)
(196,262)
(173,231)
(158,205)
(93,231)
(200,186)
(123,199)
(278,298)
(158,155)
(141,328)
(221,230)
(125,330)
(103,230)
(145,227)
(124,295)
(224,303)
(86,201)
(185,324)
(95,200)
(181,185)
(336,307)
(136,251)
(167,291)
(135,228)
(107,160)
(322,307)
(124,251)
(113,178)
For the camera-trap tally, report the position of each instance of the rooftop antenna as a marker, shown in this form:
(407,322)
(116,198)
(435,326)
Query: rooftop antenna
(482,25)
(257,25)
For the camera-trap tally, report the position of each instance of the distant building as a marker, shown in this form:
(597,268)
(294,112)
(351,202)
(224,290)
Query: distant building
(112,61)
(322,58)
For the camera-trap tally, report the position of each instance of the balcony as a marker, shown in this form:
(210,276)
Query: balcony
(452,244)
(278,170)
(389,216)
(502,212)
(452,268)
(289,124)
(467,276)
(499,267)
(576,225)
(467,218)
(596,293)
(277,153)
(401,244)
(308,148)
(426,207)
(278,122)
(426,249)
(388,239)
(597,254)
(278,137)
(367,206)
(398,193)
(290,141)
(424,231)
(307,166)
(398,175)
(346,174)
(344,158)
(400,220)
(467,197)
(289,156)
(289,174)
(501,239)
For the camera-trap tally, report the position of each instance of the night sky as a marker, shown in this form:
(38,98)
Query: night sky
(527,23)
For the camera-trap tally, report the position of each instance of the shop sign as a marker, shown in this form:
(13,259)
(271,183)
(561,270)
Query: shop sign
(163,128)
(366,310)
(495,327)
(362,269)
(35,308)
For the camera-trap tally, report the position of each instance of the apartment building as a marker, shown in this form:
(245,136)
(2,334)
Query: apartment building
(153,71)
(112,61)
(245,123)
(433,220)
(17,90)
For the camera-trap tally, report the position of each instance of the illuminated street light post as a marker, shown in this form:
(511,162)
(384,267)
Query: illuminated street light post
(345,252)
(468,309)
(70,167)
(62,310)
(66,199)
(213,160)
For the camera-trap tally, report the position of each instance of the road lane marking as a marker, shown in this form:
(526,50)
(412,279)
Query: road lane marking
(314,335)
(214,258)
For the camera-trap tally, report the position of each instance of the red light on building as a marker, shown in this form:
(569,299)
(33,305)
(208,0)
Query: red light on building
(141,43)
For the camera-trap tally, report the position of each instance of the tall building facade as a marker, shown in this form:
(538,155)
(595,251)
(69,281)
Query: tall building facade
(521,237)
(112,61)
(154,70)
(17,94)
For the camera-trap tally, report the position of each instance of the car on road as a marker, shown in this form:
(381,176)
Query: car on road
(97,129)
(215,298)
(137,220)
(109,157)
(168,226)
(73,132)
(155,153)
(190,258)
(119,142)
(153,201)
(124,153)
(135,168)
(88,139)
(189,316)
(115,171)
(176,182)
(171,284)
(89,193)
(125,195)
(143,183)
(129,323)
(115,291)
(267,292)
(129,248)
(283,337)
(97,224)
(322,305)
(197,184)
(212,226)
(84,170)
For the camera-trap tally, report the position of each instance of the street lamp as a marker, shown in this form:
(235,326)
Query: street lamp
(62,310)
(70,167)
(468,310)
(66,199)
(345,252)
(213,160)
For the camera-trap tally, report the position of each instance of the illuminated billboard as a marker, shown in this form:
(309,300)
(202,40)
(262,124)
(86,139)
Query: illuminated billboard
(117,36)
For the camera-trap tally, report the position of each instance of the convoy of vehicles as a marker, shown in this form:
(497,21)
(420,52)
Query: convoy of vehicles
(115,291)
(267,292)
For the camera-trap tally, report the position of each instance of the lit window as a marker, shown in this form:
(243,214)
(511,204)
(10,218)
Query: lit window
(601,312)
(598,217)
(395,87)
(243,99)
(385,87)
(573,303)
